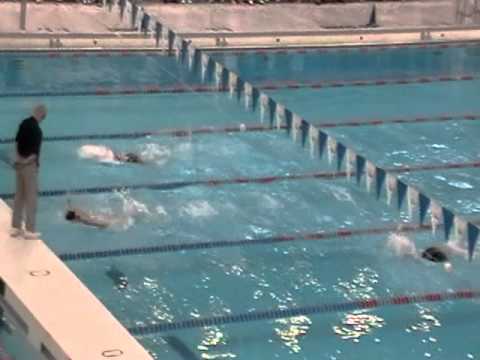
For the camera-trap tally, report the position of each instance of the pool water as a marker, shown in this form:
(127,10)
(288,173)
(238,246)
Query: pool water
(192,207)
(13,343)
(349,64)
(30,73)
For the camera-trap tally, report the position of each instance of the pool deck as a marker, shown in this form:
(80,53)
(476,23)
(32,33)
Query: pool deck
(208,18)
(56,312)
(60,26)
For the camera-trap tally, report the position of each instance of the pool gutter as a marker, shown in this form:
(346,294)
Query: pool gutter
(59,316)
(245,40)
(357,37)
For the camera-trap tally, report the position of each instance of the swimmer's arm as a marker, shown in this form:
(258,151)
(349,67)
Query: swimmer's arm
(91,220)
(456,250)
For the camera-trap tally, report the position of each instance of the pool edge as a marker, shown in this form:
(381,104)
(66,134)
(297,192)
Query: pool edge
(57,313)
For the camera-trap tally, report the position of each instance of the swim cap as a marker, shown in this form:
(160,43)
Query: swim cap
(435,254)
(70,215)
(131,157)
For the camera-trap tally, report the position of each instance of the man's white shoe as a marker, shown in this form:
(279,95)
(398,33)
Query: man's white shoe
(31,235)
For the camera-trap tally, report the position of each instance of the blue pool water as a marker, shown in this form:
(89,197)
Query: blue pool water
(31,73)
(179,285)
(352,63)
(13,343)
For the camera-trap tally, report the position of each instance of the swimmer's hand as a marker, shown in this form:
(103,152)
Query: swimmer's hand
(448,267)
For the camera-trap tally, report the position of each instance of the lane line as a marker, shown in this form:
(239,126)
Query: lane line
(252,128)
(278,85)
(328,175)
(203,245)
(305,311)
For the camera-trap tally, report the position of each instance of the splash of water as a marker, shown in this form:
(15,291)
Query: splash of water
(198,208)
(401,245)
(156,153)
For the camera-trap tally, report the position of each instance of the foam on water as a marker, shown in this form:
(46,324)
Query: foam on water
(401,245)
(156,153)
(198,208)
(460,184)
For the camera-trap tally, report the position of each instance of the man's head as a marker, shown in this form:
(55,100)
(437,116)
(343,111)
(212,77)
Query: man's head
(39,112)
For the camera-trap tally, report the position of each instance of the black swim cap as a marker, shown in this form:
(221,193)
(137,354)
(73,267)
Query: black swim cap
(70,215)
(133,158)
(435,254)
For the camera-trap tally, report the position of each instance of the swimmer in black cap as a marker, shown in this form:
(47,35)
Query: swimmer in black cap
(402,245)
(437,255)
(105,154)
(82,217)
(129,158)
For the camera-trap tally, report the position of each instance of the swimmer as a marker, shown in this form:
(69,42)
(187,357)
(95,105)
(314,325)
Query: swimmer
(437,255)
(129,158)
(440,254)
(79,216)
(105,154)
(82,217)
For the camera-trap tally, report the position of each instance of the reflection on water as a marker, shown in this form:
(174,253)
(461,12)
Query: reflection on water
(212,343)
(291,330)
(357,325)
(427,323)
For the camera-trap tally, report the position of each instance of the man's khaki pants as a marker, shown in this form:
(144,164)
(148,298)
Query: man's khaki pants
(25,196)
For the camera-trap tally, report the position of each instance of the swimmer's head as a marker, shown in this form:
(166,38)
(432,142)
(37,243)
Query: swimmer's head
(132,158)
(435,254)
(70,215)
(39,112)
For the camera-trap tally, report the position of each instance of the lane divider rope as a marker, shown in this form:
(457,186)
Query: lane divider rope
(252,128)
(203,245)
(157,89)
(305,311)
(258,180)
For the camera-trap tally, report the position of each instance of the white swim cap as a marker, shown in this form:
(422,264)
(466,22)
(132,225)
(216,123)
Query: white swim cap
(243,127)
(448,266)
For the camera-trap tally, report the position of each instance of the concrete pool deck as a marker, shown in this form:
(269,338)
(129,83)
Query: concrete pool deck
(302,17)
(76,26)
(55,311)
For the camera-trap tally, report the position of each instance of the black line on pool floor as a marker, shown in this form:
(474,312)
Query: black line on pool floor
(180,347)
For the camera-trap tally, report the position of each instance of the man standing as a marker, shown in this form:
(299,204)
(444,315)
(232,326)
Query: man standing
(28,141)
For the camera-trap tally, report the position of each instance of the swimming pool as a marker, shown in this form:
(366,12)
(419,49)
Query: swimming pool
(232,222)
(13,344)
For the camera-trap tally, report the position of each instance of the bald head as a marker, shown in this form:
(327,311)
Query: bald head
(39,112)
